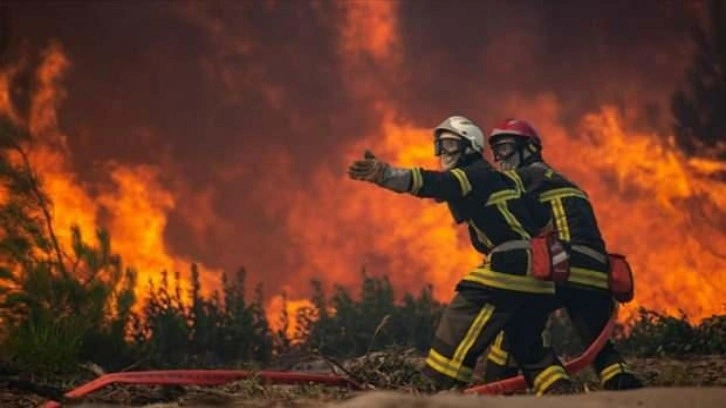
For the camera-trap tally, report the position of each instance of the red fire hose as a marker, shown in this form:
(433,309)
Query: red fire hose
(218,377)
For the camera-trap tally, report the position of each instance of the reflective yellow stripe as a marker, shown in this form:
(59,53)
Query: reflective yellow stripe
(496,353)
(481,236)
(548,377)
(487,277)
(514,224)
(498,356)
(472,334)
(416,180)
(463,181)
(502,196)
(454,367)
(613,370)
(563,229)
(559,193)
(512,174)
(588,277)
(499,340)
(444,366)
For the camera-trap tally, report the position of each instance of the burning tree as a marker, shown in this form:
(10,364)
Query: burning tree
(700,110)
(52,300)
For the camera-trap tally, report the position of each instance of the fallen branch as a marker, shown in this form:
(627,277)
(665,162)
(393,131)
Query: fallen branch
(363,385)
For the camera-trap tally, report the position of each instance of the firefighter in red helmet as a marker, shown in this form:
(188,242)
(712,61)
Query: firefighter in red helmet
(517,146)
(498,295)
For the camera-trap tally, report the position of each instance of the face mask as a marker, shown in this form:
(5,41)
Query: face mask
(506,154)
(449,150)
(448,161)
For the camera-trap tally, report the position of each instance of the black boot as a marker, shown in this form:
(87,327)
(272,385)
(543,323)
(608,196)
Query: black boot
(623,381)
(562,387)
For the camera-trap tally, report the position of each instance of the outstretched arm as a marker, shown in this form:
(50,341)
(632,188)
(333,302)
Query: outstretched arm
(441,185)
(376,171)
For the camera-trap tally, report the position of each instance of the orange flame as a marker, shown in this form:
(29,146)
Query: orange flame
(661,209)
(137,203)
(665,211)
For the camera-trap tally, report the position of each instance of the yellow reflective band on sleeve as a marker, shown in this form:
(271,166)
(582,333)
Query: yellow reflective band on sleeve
(547,377)
(481,236)
(528,284)
(463,181)
(613,370)
(558,193)
(588,277)
(512,174)
(444,366)
(503,196)
(514,224)
(416,180)
(563,228)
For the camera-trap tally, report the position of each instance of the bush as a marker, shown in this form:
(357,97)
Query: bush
(345,327)
(655,334)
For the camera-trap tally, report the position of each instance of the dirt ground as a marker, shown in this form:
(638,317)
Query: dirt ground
(692,382)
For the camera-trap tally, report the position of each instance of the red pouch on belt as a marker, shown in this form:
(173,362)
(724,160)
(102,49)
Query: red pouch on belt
(622,285)
(549,258)
(560,260)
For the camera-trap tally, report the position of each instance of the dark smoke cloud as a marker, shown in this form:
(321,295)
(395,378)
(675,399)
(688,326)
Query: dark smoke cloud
(586,53)
(219,93)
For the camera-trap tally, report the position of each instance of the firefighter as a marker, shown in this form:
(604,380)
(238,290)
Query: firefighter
(585,294)
(499,294)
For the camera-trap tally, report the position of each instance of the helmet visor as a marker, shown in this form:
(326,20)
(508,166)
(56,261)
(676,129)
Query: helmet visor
(448,145)
(504,149)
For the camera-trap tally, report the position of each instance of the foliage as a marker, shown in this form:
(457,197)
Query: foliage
(345,327)
(655,334)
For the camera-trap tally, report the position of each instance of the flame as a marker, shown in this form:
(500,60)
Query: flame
(136,202)
(274,312)
(664,211)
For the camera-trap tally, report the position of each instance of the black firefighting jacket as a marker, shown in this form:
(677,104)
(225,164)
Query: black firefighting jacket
(497,211)
(574,220)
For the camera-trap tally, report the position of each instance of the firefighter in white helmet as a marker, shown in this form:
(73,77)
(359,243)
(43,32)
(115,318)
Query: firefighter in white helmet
(499,294)
(585,294)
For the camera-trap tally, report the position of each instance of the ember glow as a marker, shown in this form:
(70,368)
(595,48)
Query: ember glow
(247,124)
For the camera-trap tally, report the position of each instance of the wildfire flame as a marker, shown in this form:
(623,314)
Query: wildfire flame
(137,204)
(665,211)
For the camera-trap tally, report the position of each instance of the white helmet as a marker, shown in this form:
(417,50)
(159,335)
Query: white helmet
(465,128)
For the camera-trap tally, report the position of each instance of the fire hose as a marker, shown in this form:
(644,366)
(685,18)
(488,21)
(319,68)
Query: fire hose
(219,377)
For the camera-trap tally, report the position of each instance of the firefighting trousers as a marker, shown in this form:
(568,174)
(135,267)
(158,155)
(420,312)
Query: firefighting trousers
(589,311)
(471,322)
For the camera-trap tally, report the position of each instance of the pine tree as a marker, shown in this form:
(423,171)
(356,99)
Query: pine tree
(54,302)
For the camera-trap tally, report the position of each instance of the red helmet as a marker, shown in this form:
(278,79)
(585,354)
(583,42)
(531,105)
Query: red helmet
(516,127)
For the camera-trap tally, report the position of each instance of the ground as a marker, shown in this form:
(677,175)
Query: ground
(695,381)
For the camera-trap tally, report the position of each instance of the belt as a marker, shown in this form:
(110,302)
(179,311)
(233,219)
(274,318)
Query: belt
(596,255)
(525,244)
(510,245)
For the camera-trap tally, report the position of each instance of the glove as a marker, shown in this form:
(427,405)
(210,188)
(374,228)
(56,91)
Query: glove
(369,169)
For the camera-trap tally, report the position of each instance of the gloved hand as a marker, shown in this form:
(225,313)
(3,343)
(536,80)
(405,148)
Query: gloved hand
(369,169)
